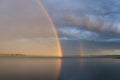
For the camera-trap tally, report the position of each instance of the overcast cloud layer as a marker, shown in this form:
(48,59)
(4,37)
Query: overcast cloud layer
(96,20)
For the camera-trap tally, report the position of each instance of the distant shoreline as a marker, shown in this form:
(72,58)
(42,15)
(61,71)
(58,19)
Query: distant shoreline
(65,56)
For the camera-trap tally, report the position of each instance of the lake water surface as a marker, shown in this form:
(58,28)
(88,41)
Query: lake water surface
(22,68)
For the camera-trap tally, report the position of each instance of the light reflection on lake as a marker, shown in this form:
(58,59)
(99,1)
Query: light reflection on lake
(21,68)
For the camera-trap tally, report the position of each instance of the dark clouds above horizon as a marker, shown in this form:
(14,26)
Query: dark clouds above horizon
(96,20)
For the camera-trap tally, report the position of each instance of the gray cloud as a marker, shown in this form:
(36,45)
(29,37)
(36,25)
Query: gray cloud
(96,19)
(74,33)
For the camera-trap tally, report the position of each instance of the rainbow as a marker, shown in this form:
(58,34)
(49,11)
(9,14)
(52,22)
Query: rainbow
(60,54)
(81,53)
(53,26)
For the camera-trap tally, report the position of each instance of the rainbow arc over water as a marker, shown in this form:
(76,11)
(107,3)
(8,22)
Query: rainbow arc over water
(53,27)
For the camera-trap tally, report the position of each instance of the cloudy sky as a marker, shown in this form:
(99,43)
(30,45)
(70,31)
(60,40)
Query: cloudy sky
(96,20)
(25,27)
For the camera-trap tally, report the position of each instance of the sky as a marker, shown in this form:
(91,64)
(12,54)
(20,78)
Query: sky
(25,27)
(92,24)
(96,20)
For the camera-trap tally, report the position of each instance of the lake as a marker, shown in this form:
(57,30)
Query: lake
(29,68)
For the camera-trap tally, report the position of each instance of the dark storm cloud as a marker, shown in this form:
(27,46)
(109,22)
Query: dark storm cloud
(86,19)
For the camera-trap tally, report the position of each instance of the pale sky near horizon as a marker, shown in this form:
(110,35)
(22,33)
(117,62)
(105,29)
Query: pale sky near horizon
(25,28)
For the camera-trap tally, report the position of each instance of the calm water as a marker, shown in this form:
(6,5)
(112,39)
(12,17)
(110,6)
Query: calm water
(90,69)
(16,68)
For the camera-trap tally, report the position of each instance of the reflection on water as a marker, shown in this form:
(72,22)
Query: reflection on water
(16,68)
(21,68)
(90,69)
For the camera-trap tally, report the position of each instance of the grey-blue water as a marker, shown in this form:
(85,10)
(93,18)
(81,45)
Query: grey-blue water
(21,68)
(90,69)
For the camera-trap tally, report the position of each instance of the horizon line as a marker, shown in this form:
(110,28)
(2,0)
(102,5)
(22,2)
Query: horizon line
(65,56)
